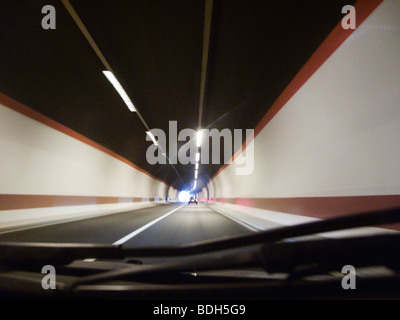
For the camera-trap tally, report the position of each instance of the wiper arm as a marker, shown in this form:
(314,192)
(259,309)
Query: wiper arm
(262,250)
(282,257)
(333,253)
(378,217)
(58,253)
(250,258)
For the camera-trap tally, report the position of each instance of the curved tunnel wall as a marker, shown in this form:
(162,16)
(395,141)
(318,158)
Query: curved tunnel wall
(172,194)
(48,166)
(330,146)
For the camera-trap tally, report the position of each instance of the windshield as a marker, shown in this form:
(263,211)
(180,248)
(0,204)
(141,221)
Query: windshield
(198,146)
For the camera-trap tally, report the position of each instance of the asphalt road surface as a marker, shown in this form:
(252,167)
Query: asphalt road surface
(162,225)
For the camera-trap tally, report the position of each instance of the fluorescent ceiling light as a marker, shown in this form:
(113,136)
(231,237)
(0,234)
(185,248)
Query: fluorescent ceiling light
(195,174)
(110,76)
(152,137)
(197,165)
(198,138)
(197,156)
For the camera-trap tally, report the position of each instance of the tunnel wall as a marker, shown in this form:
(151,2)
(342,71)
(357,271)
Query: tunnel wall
(48,170)
(330,145)
(172,194)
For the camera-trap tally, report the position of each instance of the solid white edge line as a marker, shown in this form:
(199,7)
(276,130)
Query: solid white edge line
(251,228)
(141,229)
(67,220)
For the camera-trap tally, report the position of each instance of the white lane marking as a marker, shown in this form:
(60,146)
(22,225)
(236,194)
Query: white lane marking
(141,229)
(251,228)
(66,220)
(45,225)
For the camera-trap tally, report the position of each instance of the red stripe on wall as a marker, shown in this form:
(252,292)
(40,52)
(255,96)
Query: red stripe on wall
(37,116)
(321,207)
(28,201)
(332,42)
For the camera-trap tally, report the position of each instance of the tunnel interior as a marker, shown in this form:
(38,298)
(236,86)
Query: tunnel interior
(198,148)
(296,103)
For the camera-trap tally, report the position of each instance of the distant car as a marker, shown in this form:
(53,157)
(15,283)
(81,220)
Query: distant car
(192,200)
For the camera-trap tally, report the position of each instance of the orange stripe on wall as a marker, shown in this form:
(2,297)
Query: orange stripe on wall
(28,201)
(331,43)
(321,207)
(37,116)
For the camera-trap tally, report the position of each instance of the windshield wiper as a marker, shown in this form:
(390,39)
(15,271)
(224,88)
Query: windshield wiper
(377,217)
(322,255)
(264,250)
(23,252)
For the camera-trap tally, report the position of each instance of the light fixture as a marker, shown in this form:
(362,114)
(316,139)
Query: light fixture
(110,76)
(197,156)
(152,137)
(198,138)
(195,174)
(196,165)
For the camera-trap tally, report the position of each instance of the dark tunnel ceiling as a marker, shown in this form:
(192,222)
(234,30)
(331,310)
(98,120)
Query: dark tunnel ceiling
(155,49)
